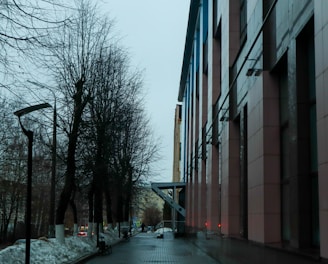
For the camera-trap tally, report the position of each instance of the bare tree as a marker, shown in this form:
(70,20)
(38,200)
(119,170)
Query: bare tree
(89,70)
(12,168)
(152,216)
(72,61)
(102,121)
(120,148)
(11,165)
(24,29)
(135,151)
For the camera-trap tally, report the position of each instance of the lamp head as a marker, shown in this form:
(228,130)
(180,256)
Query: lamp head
(30,109)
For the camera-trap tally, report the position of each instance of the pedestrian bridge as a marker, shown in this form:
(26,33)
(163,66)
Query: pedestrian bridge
(158,189)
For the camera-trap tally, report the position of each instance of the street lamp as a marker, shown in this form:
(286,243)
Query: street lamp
(29,135)
(51,231)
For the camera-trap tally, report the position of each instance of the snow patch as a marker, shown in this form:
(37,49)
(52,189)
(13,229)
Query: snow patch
(51,251)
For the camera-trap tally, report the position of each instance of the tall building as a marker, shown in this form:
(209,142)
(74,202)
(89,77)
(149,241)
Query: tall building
(255,121)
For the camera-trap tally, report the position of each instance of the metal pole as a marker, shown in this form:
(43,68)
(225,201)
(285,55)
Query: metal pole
(53,176)
(29,135)
(173,211)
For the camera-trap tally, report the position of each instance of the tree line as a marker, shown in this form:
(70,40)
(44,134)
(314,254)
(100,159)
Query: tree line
(105,146)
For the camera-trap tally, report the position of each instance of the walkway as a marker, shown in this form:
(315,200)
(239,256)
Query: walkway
(147,248)
(235,251)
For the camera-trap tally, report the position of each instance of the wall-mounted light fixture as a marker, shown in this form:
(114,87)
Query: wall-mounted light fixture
(224,118)
(258,72)
(253,71)
(225,115)
(250,72)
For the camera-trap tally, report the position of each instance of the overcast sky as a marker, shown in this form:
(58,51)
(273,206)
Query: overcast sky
(154,33)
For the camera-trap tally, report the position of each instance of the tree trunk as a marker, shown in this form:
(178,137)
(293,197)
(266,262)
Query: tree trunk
(16,216)
(90,229)
(109,214)
(91,209)
(75,229)
(74,210)
(98,194)
(60,234)
(69,186)
(90,202)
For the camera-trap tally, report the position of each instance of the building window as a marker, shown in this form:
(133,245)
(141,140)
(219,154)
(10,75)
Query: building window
(204,143)
(215,123)
(205,36)
(205,57)
(284,149)
(243,161)
(196,155)
(215,16)
(243,21)
(205,19)
(307,128)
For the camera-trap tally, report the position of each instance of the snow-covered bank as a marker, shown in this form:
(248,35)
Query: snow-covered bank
(50,251)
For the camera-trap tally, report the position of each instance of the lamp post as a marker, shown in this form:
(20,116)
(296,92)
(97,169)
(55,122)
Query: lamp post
(29,135)
(53,175)
(51,231)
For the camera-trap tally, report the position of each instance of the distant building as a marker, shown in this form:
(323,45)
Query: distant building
(177,145)
(255,121)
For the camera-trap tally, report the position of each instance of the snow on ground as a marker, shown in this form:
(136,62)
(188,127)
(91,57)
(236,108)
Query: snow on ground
(50,251)
(163,230)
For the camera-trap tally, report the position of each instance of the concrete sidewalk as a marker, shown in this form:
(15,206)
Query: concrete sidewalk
(147,248)
(235,251)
